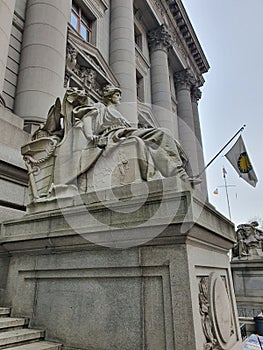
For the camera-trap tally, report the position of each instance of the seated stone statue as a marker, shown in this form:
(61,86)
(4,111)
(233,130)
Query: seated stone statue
(249,240)
(104,126)
(82,142)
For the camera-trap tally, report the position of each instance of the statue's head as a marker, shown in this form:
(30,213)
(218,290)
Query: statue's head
(109,91)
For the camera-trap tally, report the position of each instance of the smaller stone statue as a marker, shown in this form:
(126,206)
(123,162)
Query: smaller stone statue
(249,241)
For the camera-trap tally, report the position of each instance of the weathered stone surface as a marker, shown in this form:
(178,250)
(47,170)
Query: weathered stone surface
(248,280)
(66,274)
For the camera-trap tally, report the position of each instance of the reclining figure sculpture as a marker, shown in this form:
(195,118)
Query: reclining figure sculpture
(100,126)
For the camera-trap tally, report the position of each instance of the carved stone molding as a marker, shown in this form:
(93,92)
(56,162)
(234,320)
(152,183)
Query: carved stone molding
(71,63)
(71,57)
(216,312)
(178,45)
(196,94)
(159,39)
(87,76)
(97,7)
(2,101)
(184,79)
(184,27)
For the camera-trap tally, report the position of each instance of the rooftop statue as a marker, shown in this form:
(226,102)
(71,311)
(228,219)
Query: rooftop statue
(249,241)
(89,132)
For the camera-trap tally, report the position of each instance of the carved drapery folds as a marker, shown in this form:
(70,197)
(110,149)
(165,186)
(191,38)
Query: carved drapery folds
(184,79)
(159,39)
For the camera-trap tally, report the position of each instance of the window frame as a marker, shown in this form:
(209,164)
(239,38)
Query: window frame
(82,22)
(138,37)
(140,86)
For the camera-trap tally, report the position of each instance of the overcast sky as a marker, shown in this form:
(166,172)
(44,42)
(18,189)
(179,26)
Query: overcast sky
(231,35)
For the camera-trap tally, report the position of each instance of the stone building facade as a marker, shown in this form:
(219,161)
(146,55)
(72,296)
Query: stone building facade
(148,48)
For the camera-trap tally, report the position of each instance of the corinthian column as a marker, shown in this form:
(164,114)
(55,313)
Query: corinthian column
(6,16)
(184,81)
(160,41)
(196,95)
(122,55)
(42,67)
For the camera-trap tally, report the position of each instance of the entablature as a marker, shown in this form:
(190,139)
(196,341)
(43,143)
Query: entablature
(185,44)
(187,32)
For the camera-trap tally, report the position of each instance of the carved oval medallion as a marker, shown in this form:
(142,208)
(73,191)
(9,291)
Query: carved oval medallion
(220,310)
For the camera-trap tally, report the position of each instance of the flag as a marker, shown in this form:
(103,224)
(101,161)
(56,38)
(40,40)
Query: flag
(239,159)
(224,172)
(216,191)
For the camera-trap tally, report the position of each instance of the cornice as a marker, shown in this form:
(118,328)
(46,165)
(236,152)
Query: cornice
(187,32)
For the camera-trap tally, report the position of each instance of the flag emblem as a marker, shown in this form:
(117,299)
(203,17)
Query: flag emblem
(239,159)
(244,164)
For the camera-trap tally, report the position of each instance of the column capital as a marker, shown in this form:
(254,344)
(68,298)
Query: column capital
(196,94)
(184,79)
(159,39)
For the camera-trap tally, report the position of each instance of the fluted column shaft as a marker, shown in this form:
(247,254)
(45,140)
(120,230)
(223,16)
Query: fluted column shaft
(42,67)
(184,81)
(6,16)
(196,95)
(160,41)
(122,55)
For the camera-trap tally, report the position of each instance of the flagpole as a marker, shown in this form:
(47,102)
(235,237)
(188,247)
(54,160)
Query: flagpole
(227,197)
(211,161)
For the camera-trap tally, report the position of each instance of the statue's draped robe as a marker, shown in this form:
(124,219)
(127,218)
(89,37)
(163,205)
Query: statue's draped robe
(105,129)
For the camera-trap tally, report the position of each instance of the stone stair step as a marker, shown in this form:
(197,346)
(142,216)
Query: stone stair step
(9,322)
(4,311)
(19,336)
(41,345)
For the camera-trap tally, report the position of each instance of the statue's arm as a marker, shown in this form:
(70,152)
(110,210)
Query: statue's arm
(85,111)
(83,115)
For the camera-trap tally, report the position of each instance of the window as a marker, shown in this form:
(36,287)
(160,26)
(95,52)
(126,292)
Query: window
(137,37)
(139,82)
(80,22)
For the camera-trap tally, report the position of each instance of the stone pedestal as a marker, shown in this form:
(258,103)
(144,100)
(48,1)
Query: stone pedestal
(248,282)
(122,269)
